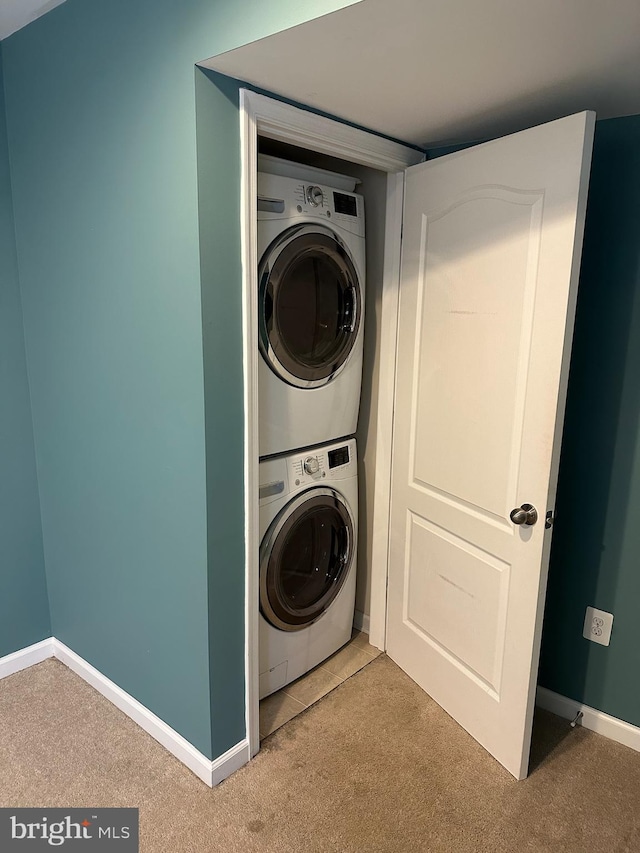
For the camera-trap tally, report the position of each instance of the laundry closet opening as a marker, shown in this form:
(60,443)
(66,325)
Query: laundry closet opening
(272,129)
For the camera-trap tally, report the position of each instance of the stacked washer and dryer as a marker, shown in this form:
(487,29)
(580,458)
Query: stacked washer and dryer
(311,246)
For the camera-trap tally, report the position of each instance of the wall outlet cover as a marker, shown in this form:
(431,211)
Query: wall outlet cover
(597,626)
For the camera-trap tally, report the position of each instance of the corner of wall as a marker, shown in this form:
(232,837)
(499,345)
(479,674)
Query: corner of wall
(218,163)
(24,586)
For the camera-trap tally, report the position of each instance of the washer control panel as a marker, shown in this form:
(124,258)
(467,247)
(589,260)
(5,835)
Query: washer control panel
(307,469)
(333,463)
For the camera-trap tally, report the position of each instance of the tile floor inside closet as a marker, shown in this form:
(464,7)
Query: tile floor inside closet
(280,707)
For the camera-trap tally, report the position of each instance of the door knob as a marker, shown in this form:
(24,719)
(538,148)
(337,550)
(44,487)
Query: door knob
(525,514)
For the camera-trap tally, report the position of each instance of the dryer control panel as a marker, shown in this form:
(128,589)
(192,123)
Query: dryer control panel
(288,198)
(314,200)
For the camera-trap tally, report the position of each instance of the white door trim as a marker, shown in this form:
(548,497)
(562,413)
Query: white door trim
(323,135)
(386,395)
(249,249)
(276,120)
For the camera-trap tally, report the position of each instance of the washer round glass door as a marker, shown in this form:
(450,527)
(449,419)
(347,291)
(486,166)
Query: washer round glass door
(305,558)
(310,305)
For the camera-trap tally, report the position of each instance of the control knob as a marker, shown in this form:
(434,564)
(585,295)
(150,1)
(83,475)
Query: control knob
(311,465)
(314,196)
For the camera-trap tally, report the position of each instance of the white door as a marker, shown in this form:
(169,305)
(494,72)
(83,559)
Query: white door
(491,249)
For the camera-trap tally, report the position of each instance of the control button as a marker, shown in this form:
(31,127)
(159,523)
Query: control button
(314,196)
(311,465)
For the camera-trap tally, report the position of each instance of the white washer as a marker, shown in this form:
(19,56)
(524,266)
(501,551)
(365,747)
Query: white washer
(309,532)
(311,247)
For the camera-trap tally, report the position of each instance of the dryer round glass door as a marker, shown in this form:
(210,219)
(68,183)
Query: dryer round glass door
(310,305)
(305,558)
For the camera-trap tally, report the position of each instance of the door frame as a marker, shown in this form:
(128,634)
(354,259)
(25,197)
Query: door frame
(260,115)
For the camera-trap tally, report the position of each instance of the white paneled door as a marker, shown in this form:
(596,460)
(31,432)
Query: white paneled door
(491,251)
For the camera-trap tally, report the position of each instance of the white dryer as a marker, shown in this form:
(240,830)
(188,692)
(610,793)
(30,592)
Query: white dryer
(311,246)
(309,532)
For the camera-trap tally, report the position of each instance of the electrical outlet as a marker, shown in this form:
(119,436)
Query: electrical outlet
(597,626)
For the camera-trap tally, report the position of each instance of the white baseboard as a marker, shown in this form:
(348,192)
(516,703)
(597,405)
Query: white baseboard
(361,621)
(24,658)
(596,721)
(230,761)
(210,772)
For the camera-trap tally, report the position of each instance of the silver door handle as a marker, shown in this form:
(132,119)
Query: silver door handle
(525,514)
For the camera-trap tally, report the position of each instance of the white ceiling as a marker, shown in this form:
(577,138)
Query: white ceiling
(432,71)
(15,14)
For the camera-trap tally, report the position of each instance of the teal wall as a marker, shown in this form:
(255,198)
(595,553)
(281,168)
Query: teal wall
(595,557)
(24,612)
(142,532)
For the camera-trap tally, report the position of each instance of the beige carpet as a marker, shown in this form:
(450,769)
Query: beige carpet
(373,767)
